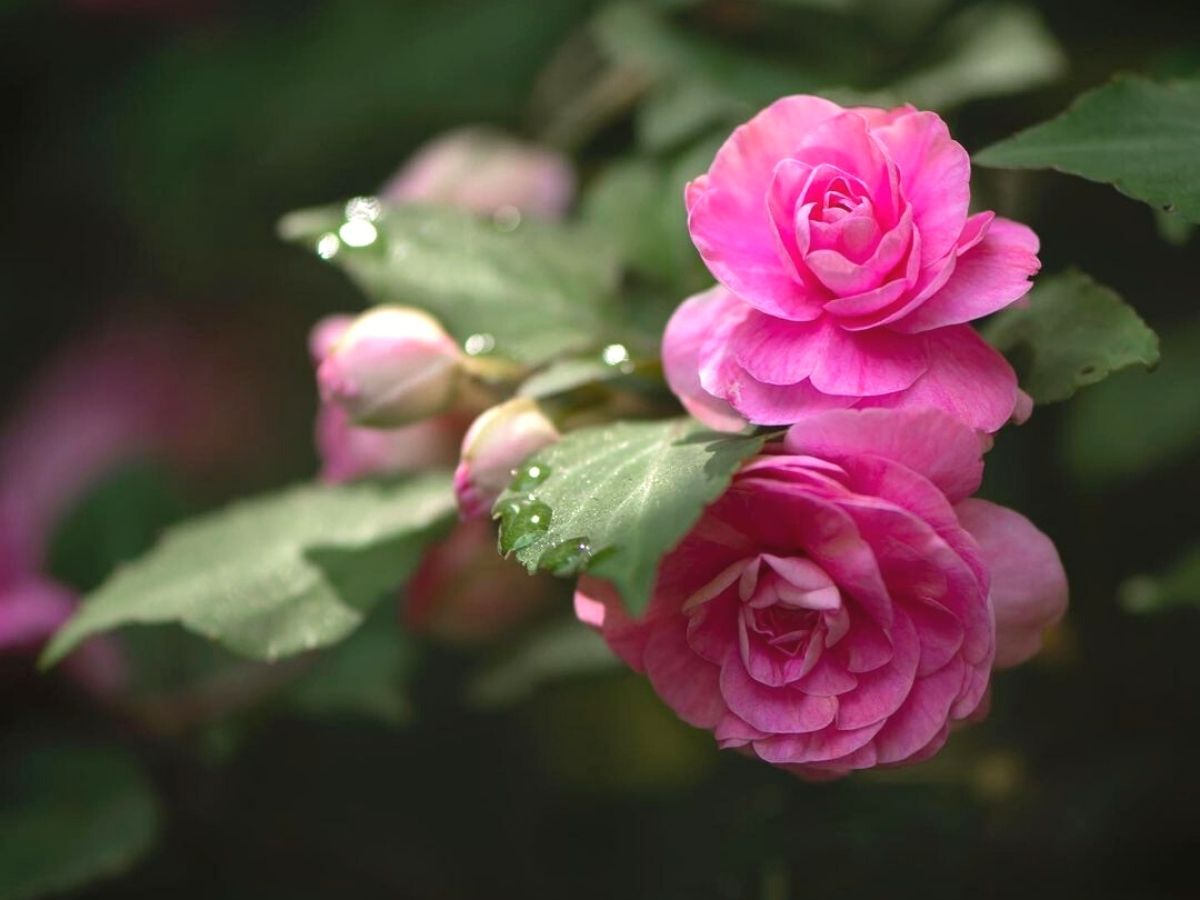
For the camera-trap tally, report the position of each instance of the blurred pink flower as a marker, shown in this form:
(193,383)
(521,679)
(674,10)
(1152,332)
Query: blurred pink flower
(349,452)
(31,609)
(128,391)
(844,602)
(466,593)
(485,171)
(848,266)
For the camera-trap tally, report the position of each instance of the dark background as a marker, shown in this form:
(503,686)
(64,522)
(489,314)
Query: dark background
(149,149)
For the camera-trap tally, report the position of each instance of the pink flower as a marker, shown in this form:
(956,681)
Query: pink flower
(31,609)
(848,266)
(485,172)
(391,366)
(349,452)
(844,602)
(465,593)
(495,444)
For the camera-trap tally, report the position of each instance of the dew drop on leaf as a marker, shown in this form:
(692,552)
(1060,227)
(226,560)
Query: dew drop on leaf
(567,558)
(522,522)
(530,476)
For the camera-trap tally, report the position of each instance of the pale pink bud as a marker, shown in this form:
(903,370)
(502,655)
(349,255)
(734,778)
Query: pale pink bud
(486,172)
(392,366)
(325,335)
(495,444)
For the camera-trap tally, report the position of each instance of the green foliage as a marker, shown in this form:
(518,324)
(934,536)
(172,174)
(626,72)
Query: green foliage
(276,575)
(637,204)
(613,499)
(561,649)
(536,290)
(1136,421)
(115,521)
(989,50)
(325,76)
(71,815)
(1140,136)
(1074,332)
(1179,585)
(364,676)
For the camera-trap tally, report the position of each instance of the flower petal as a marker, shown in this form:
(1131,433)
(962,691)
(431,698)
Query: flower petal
(686,683)
(928,441)
(686,332)
(782,710)
(966,377)
(989,276)
(935,176)
(1029,587)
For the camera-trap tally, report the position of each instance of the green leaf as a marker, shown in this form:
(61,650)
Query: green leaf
(1137,421)
(1140,136)
(989,50)
(1178,586)
(275,575)
(568,375)
(116,520)
(533,291)
(1074,332)
(638,205)
(364,676)
(561,649)
(71,815)
(613,499)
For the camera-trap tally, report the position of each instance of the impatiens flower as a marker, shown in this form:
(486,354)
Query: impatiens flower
(844,602)
(486,172)
(495,444)
(128,391)
(465,593)
(393,365)
(848,266)
(349,451)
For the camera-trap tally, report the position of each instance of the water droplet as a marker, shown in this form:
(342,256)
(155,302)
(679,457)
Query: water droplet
(477,344)
(615,354)
(328,246)
(529,477)
(506,218)
(358,233)
(368,209)
(568,558)
(522,522)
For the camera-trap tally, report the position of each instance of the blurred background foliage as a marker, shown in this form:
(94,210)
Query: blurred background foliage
(149,150)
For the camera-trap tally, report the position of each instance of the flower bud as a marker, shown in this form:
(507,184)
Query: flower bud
(464,593)
(495,444)
(486,172)
(325,334)
(392,366)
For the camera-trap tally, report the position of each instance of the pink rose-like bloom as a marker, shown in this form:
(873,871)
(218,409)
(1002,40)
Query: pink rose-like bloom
(495,444)
(848,265)
(844,602)
(484,172)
